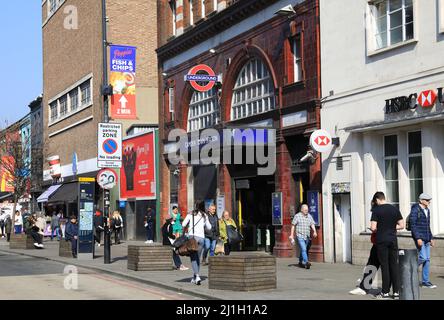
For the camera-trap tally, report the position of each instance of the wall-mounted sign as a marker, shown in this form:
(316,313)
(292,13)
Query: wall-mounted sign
(313,205)
(276,200)
(202,78)
(55,168)
(109,145)
(122,78)
(425,99)
(321,141)
(220,205)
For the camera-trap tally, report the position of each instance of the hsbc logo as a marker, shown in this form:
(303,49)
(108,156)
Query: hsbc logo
(322,141)
(425,99)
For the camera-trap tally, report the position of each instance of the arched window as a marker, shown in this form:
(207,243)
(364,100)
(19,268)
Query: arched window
(253,92)
(204,110)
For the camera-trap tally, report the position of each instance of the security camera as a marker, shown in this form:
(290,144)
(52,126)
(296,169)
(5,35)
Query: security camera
(176,172)
(310,156)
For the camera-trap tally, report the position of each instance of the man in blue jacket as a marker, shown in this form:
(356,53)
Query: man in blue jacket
(72,233)
(422,235)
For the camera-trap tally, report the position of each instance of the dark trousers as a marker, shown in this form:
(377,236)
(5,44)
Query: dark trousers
(36,236)
(227,248)
(74,246)
(2,228)
(372,261)
(176,259)
(116,235)
(98,235)
(149,234)
(8,236)
(388,258)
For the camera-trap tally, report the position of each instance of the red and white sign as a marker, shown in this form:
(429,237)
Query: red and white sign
(196,75)
(107,179)
(321,141)
(109,145)
(427,98)
(55,168)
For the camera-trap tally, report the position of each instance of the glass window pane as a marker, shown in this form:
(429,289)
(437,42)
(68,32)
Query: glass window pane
(381,40)
(414,142)
(415,190)
(396,19)
(396,36)
(381,24)
(415,167)
(409,14)
(392,191)
(409,31)
(391,145)
(391,169)
(408,3)
(382,8)
(395,4)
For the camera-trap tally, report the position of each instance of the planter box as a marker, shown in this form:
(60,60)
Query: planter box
(21,241)
(65,249)
(150,257)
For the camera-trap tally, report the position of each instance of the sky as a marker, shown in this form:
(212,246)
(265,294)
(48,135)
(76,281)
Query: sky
(21,57)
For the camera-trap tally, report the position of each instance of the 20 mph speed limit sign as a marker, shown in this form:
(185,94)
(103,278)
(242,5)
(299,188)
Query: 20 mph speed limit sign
(107,179)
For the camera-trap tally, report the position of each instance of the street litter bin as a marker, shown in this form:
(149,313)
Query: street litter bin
(408,274)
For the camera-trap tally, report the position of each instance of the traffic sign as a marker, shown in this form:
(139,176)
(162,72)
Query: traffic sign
(109,145)
(107,179)
(321,141)
(210,77)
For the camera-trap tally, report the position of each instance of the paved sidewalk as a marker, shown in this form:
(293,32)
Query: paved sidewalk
(322,282)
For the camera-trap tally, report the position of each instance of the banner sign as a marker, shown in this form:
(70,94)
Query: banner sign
(6,179)
(313,205)
(122,78)
(138,173)
(276,199)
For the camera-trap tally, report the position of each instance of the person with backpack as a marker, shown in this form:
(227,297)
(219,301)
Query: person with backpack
(419,225)
(72,233)
(385,221)
(168,239)
(117,225)
(224,224)
(212,235)
(196,222)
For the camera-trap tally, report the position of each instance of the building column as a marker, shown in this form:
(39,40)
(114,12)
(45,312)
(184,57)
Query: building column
(179,17)
(403,174)
(225,187)
(183,188)
(370,186)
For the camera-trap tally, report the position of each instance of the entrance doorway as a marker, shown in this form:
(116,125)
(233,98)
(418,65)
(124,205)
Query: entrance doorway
(253,212)
(342,228)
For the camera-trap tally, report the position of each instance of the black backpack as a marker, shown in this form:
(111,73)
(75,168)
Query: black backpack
(117,222)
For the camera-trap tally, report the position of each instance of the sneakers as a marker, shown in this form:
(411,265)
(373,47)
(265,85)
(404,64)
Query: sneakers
(396,295)
(383,296)
(183,268)
(41,245)
(198,280)
(149,241)
(307,265)
(429,285)
(301,265)
(98,244)
(358,292)
(193,281)
(36,245)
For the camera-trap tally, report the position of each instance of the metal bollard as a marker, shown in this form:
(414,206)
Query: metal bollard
(408,274)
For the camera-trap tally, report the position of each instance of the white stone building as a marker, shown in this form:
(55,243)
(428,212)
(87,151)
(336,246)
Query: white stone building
(379,59)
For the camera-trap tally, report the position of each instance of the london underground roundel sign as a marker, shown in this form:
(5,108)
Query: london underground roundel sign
(196,75)
(320,141)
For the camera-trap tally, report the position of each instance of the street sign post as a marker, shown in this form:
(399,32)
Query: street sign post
(109,145)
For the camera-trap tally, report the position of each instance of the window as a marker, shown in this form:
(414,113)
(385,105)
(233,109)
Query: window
(415,165)
(85,89)
(297,59)
(204,110)
(173,13)
(171,102)
(53,111)
(74,99)
(63,106)
(52,5)
(253,92)
(391,169)
(203,8)
(191,12)
(393,22)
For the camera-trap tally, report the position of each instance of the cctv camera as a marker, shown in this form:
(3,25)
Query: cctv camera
(311,156)
(176,172)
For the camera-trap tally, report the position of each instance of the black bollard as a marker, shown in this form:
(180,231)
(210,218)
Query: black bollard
(408,274)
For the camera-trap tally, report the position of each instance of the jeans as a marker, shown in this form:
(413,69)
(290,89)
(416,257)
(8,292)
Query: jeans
(149,234)
(195,256)
(55,230)
(74,246)
(372,261)
(304,246)
(388,258)
(424,260)
(209,245)
(18,229)
(176,259)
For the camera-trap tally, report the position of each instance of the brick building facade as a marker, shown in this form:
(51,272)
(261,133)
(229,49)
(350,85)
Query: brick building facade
(270,66)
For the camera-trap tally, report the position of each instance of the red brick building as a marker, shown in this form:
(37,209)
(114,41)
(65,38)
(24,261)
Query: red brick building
(270,70)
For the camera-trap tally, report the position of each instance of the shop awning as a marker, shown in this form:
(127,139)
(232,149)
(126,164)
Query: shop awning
(45,195)
(66,193)
(4,195)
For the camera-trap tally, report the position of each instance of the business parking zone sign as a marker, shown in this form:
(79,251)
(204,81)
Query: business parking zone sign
(109,145)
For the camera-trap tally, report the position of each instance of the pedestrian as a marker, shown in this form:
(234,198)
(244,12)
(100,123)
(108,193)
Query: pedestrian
(196,222)
(98,227)
(168,239)
(55,226)
(2,222)
(117,225)
(177,223)
(419,220)
(225,221)
(32,228)
(41,224)
(302,225)
(71,234)
(8,226)
(372,265)
(148,223)
(212,235)
(18,222)
(385,221)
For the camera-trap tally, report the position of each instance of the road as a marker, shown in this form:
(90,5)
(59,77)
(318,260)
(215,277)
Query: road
(26,278)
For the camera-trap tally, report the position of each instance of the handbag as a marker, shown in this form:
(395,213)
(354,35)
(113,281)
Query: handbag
(189,246)
(220,248)
(180,241)
(234,237)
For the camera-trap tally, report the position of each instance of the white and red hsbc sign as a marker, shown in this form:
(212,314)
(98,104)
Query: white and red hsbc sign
(321,141)
(425,99)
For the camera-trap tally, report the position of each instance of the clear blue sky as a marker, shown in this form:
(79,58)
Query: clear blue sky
(21,57)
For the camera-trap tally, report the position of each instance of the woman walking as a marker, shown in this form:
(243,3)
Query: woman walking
(196,222)
(117,225)
(18,222)
(223,223)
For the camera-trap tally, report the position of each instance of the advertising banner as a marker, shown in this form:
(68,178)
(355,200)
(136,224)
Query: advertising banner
(122,78)
(313,205)
(6,179)
(138,173)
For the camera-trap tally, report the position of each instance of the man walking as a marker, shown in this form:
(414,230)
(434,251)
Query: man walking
(422,235)
(212,235)
(303,223)
(386,220)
